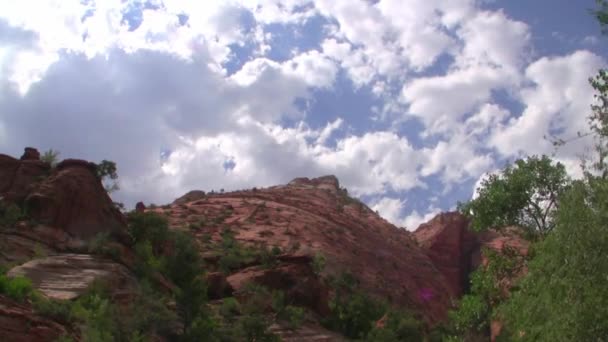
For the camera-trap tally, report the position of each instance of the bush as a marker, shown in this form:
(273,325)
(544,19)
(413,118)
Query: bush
(59,310)
(230,308)
(149,226)
(10,214)
(318,263)
(17,288)
(399,326)
(353,313)
(51,156)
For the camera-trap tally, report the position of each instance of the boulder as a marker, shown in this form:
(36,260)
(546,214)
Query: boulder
(73,199)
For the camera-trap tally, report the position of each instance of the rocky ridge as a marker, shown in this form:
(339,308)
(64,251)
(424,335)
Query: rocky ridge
(424,271)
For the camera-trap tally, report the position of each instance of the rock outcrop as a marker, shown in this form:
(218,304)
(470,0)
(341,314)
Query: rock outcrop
(19,177)
(68,276)
(456,251)
(314,216)
(30,153)
(73,199)
(19,323)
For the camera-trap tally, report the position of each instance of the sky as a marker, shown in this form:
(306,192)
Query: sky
(408,102)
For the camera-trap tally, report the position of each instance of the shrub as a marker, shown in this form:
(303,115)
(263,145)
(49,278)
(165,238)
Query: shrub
(353,313)
(59,310)
(10,214)
(51,156)
(318,263)
(18,288)
(230,308)
(294,316)
(149,226)
(399,326)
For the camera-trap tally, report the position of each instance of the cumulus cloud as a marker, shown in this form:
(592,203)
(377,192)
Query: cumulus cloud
(206,83)
(392,209)
(556,104)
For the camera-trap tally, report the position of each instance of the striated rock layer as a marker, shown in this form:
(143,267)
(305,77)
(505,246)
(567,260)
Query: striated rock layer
(456,251)
(315,216)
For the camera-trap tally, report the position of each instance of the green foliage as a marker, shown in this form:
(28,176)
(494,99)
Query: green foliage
(293,315)
(399,326)
(318,263)
(10,214)
(147,263)
(524,194)
(253,324)
(51,156)
(564,296)
(601,15)
(477,308)
(17,288)
(234,255)
(269,257)
(107,173)
(59,310)
(99,243)
(230,308)
(97,313)
(353,313)
(148,226)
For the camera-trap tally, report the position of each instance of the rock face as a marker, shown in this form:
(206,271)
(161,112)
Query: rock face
(19,177)
(73,199)
(190,196)
(310,216)
(67,276)
(298,282)
(30,153)
(456,251)
(19,323)
(450,245)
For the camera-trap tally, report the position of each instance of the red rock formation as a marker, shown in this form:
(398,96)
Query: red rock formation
(19,323)
(30,153)
(307,217)
(450,245)
(18,177)
(74,199)
(456,251)
(298,282)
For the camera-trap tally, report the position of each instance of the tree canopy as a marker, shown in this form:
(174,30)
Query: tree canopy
(524,194)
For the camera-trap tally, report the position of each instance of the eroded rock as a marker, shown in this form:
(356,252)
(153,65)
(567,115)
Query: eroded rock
(19,323)
(68,276)
(74,199)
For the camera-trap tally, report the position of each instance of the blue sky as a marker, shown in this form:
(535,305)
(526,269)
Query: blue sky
(409,102)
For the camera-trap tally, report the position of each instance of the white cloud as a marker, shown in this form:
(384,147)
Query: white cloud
(415,219)
(491,38)
(557,102)
(441,101)
(392,209)
(92,87)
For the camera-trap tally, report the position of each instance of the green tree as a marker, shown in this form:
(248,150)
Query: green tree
(107,173)
(524,194)
(564,296)
(51,156)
